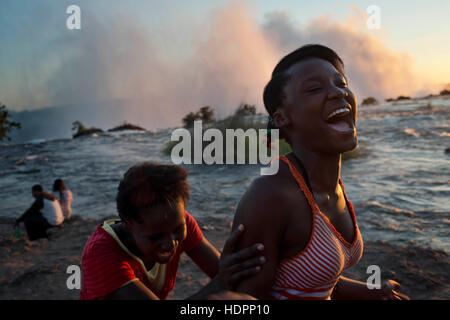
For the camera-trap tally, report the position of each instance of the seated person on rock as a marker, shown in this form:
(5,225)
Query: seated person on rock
(44,213)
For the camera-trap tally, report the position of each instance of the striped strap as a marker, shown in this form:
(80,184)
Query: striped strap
(301,182)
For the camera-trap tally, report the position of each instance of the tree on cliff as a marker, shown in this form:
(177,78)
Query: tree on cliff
(245,110)
(81,130)
(78,127)
(5,124)
(206,114)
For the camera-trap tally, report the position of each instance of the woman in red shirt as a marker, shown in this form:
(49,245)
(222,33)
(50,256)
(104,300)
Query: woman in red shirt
(137,256)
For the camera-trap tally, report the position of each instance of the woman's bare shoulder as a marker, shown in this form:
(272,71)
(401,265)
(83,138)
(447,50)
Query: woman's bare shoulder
(269,199)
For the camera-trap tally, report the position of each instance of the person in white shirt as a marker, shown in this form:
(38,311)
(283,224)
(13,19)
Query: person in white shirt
(64,196)
(44,213)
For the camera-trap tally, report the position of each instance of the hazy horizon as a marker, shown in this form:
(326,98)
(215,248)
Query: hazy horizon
(165,60)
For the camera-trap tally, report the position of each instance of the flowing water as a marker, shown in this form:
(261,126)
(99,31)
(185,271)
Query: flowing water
(399,186)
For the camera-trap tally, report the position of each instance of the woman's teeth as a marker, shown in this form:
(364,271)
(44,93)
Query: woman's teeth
(338,112)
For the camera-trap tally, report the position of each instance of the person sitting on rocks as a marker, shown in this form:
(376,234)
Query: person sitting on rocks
(64,197)
(44,213)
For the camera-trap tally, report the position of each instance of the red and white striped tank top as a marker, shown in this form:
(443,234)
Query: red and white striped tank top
(313,273)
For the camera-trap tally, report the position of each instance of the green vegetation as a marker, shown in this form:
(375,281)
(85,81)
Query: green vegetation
(444,92)
(245,110)
(244,118)
(369,101)
(81,130)
(398,98)
(206,114)
(5,124)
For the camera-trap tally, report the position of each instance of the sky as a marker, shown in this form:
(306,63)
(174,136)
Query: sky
(166,58)
(419,28)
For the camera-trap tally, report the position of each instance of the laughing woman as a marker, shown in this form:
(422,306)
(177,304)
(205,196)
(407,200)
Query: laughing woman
(302,214)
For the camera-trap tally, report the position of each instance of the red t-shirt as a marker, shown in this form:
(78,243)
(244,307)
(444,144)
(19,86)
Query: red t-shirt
(106,266)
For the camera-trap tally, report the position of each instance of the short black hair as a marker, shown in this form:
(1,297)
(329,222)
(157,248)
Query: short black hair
(37,187)
(273,92)
(162,184)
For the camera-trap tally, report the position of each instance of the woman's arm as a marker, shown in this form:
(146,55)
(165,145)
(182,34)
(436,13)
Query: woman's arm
(349,289)
(263,210)
(48,196)
(206,257)
(69,197)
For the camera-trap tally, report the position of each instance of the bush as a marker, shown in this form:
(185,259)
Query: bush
(245,110)
(81,130)
(369,101)
(126,126)
(188,120)
(398,98)
(5,124)
(206,114)
(241,119)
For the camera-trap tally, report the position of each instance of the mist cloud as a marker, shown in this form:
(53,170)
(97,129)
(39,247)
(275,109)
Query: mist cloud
(230,60)
(372,68)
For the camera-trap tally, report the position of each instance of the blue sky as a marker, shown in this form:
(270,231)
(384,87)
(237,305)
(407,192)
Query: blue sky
(419,28)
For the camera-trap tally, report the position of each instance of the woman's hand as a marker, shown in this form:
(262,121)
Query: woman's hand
(235,266)
(388,291)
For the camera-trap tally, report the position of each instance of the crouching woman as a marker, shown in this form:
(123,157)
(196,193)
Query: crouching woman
(137,256)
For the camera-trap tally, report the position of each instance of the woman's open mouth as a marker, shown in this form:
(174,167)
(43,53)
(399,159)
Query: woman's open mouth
(341,120)
(164,256)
